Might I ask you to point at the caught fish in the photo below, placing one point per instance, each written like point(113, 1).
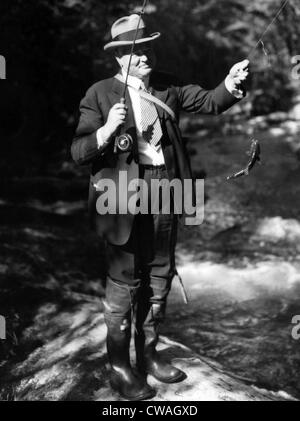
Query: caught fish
point(254, 154)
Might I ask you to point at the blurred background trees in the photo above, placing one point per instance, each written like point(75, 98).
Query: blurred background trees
point(53, 50)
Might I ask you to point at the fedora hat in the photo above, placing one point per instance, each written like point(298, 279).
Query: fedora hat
point(124, 29)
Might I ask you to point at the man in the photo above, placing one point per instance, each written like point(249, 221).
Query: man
point(140, 248)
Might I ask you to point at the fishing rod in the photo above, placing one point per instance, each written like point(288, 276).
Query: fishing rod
point(132, 49)
point(124, 142)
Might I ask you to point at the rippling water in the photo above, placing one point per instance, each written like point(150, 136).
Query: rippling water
point(242, 318)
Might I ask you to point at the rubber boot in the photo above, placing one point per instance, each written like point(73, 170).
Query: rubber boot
point(119, 304)
point(150, 313)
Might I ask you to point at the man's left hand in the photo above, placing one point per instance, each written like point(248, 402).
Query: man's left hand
point(238, 74)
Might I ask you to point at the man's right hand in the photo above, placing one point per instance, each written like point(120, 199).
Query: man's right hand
point(115, 119)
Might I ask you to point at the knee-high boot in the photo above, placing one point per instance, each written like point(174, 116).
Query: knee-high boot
point(118, 304)
point(150, 313)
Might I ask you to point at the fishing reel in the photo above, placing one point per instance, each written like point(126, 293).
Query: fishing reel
point(123, 143)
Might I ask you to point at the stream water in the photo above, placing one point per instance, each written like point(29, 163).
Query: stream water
point(242, 318)
point(241, 267)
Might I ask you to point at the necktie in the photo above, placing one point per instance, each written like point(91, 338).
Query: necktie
point(151, 128)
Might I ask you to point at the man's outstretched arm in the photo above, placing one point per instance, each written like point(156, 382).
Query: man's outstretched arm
point(195, 99)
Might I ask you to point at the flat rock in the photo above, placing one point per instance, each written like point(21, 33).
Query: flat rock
point(72, 365)
point(206, 381)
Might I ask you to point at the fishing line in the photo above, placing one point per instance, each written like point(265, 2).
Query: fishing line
point(268, 27)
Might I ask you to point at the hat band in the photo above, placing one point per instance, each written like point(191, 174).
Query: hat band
point(130, 35)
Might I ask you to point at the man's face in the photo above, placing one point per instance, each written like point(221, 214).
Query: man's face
point(143, 59)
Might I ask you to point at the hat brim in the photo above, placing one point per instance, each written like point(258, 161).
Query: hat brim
point(114, 44)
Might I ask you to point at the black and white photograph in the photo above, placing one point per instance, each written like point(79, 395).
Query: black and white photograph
point(149, 203)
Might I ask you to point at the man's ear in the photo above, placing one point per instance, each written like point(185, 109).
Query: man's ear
point(118, 52)
point(118, 60)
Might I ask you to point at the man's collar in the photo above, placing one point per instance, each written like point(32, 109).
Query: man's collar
point(135, 82)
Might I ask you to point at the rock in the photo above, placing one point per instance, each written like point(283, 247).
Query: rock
point(278, 228)
point(291, 127)
point(277, 117)
point(206, 381)
point(259, 122)
point(277, 131)
point(72, 365)
point(295, 112)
